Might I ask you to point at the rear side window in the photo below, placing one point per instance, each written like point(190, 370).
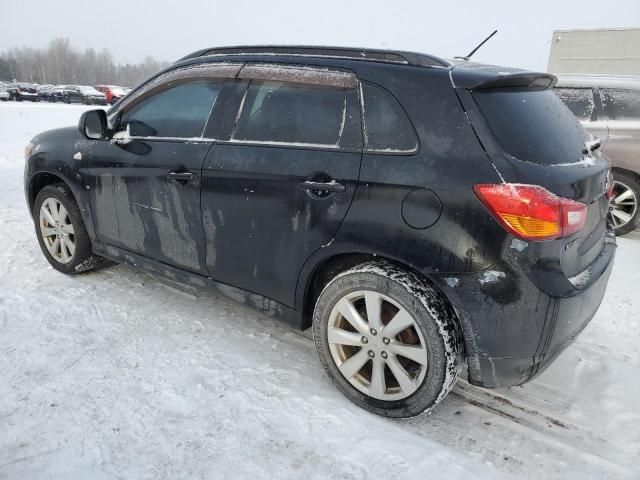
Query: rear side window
point(621, 104)
point(177, 112)
point(533, 125)
point(386, 126)
point(292, 113)
point(578, 100)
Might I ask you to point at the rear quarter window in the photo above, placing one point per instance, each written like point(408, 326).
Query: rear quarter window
point(386, 126)
point(621, 104)
point(532, 125)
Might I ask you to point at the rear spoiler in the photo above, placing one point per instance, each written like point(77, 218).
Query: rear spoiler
point(477, 76)
point(529, 81)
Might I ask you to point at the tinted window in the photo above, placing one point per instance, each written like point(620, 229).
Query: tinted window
point(386, 125)
point(291, 113)
point(179, 111)
point(621, 104)
point(578, 100)
point(534, 125)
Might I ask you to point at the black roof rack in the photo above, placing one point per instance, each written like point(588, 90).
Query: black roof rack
point(390, 56)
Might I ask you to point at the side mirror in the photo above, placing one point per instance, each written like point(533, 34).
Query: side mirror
point(93, 124)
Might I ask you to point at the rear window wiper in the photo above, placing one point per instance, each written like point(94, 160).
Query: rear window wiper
point(591, 145)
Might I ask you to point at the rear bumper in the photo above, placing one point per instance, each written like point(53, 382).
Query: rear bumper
point(512, 329)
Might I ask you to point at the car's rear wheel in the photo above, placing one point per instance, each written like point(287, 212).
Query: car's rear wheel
point(61, 232)
point(387, 339)
point(623, 207)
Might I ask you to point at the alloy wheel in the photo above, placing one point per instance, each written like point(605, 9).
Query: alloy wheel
point(57, 230)
point(623, 205)
point(377, 345)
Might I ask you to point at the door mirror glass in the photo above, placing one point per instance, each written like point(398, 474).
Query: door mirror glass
point(93, 124)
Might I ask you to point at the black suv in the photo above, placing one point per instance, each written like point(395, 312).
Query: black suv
point(416, 212)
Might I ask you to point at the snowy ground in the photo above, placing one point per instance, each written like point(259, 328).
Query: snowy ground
point(116, 374)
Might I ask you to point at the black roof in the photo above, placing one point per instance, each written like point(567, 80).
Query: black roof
point(366, 54)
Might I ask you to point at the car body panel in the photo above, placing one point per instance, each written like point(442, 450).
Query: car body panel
point(155, 215)
point(518, 302)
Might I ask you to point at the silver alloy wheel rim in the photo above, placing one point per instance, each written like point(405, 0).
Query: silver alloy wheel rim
point(623, 205)
point(57, 230)
point(377, 345)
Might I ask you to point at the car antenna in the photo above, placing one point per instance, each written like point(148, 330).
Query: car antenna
point(468, 57)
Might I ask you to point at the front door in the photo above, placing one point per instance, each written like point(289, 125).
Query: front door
point(145, 196)
point(279, 188)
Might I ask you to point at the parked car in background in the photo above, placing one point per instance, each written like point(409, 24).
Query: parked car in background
point(413, 211)
point(91, 96)
point(22, 91)
point(71, 94)
point(4, 95)
point(83, 94)
point(609, 108)
point(45, 93)
point(112, 92)
point(58, 93)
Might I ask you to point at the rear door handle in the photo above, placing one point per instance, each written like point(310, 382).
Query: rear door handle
point(182, 176)
point(331, 186)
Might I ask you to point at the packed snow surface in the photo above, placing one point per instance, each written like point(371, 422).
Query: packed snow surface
point(117, 374)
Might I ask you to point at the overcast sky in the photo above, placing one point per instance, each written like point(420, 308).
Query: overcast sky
point(169, 29)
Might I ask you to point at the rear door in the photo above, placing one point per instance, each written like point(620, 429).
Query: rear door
point(278, 186)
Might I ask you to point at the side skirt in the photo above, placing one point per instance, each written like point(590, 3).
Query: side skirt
point(265, 305)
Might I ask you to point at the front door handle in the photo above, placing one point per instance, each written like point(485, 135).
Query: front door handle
point(182, 176)
point(332, 186)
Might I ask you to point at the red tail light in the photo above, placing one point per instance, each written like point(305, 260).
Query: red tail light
point(531, 212)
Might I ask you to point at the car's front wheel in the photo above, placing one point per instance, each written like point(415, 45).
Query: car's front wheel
point(61, 232)
point(387, 339)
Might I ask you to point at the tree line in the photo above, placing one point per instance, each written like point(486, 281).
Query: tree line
point(62, 64)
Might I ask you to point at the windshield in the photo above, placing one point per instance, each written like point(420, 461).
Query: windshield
point(533, 125)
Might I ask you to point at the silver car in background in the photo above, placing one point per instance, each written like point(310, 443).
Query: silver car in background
point(609, 108)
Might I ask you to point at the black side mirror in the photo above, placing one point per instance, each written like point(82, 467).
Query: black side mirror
point(93, 124)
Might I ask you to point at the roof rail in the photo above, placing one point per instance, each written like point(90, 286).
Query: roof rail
point(390, 56)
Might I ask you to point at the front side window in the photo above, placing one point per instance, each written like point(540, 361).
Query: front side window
point(621, 104)
point(292, 113)
point(180, 111)
point(578, 100)
point(386, 126)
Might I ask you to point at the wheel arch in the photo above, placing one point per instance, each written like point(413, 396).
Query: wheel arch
point(44, 177)
point(40, 180)
point(315, 277)
point(626, 171)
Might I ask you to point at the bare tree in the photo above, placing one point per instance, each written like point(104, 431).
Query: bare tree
point(60, 63)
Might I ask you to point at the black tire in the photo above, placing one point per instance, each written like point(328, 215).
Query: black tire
point(82, 259)
point(630, 181)
point(432, 313)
